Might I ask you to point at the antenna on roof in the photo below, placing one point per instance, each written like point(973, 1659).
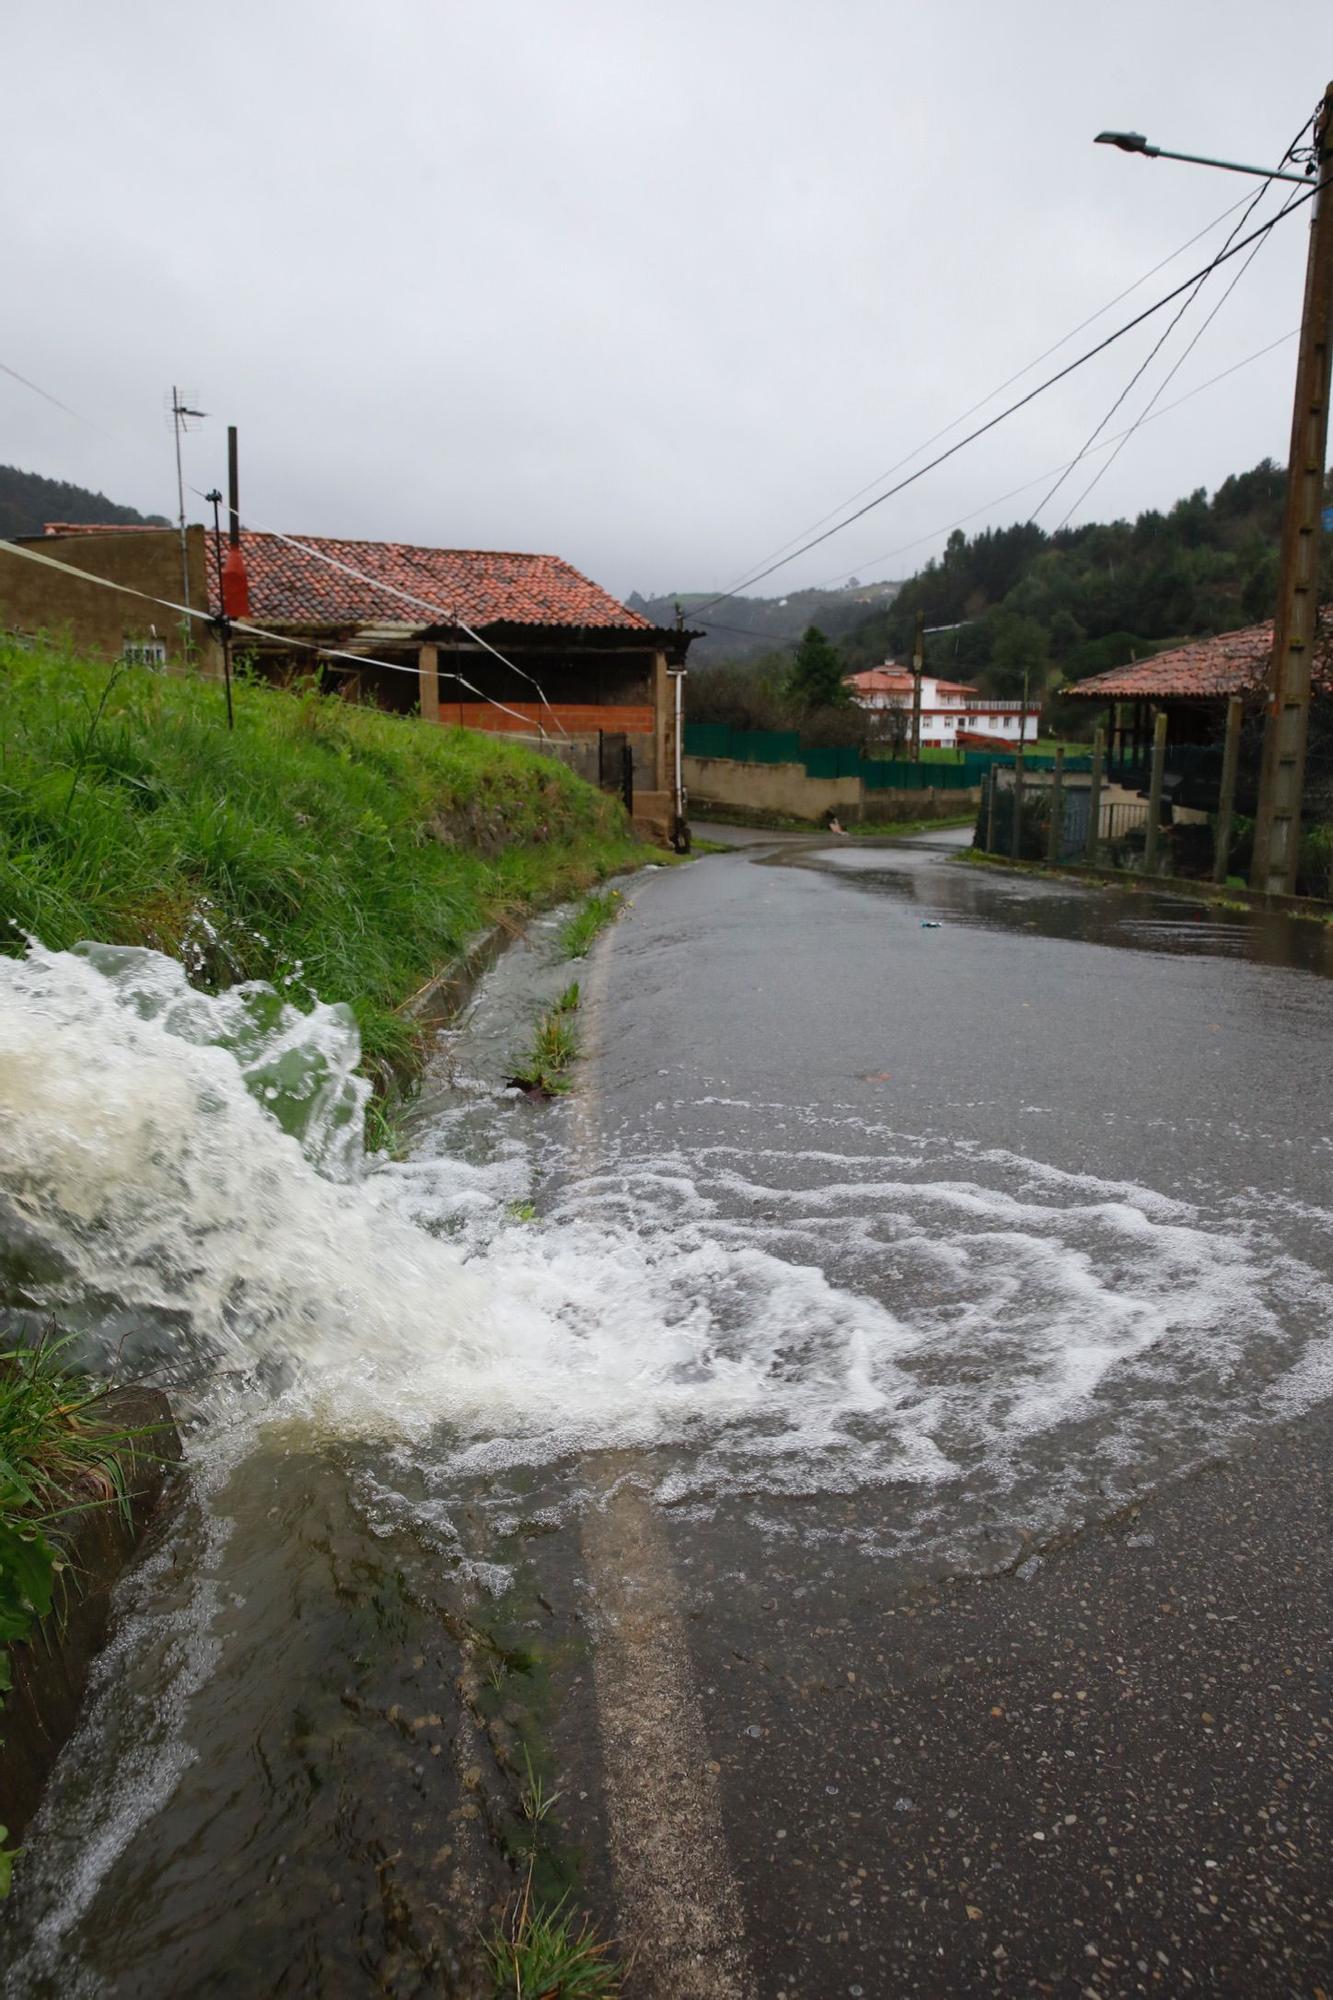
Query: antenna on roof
point(183, 419)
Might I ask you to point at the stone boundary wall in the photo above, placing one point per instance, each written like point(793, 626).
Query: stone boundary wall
point(787, 790)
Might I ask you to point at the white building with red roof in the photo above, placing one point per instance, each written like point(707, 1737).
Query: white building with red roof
point(954, 716)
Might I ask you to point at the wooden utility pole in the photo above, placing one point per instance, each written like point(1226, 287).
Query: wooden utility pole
point(222, 621)
point(1055, 824)
point(1226, 797)
point(918, 662)
point(1277, 830)
point(1017, 842)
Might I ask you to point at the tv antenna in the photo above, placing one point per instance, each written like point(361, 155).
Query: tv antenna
point(183, 419)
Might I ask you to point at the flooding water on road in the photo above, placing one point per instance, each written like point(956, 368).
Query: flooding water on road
point(819, 1247)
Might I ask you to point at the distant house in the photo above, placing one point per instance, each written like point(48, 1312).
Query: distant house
point(510, 643)
point(953, 715)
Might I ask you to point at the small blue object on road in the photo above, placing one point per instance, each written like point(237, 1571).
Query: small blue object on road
point(931, 924)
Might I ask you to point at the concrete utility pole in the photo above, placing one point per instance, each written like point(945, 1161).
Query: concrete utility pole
point(1277, 830)
point(918, 662)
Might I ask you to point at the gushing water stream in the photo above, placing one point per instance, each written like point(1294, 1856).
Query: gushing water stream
point(972, 1346)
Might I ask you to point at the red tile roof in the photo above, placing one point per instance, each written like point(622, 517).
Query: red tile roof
point(1205, 670)
point(289, 586)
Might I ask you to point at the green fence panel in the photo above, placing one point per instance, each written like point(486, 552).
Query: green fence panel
point(707, 739)
point(821, 762)
point(766, 746)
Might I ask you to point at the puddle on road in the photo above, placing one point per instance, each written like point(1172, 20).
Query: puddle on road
point(1131, 919)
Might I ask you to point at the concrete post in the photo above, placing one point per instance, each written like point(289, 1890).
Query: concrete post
point(1226, 797)
point(662, 705)
point(1056, 827)
point(428, 676)
point(1095, 798)
point(1152, 843)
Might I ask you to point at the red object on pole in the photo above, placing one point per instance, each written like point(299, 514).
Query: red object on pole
point(235, 586)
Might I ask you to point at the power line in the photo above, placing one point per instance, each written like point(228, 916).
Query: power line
point(1254, 201)
point(1156, 349)
point(47, 397)
point(1160, 390)
point(1000, 387)
point(251, 631)
point(1021, 402)
point(408, 597)
point(1117, 439)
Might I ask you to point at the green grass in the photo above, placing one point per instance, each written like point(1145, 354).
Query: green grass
point(545, 1954)
point(56, 1461)
point(588, 920)
point(544, 1067)
point(351, 850)
point(866, 828)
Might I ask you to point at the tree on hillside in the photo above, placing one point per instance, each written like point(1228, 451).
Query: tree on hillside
point(1019, 647)
point(815, 680)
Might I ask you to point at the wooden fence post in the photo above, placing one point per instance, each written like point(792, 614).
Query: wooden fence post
point(1055, 830)
point(1095, 798)
point(1226, 798)
point(1153, 839)
point(1016, 831)
point(992, 786)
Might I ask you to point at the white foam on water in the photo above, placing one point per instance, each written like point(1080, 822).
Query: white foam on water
point(883, 1319)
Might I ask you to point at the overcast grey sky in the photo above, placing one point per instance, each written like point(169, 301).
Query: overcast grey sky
point(653, 287)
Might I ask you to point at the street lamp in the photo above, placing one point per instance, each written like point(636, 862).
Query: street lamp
point(1134, 142)
point(1277, 828)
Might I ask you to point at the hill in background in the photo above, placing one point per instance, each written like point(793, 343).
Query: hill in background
point(28, 502)
point(748, 626)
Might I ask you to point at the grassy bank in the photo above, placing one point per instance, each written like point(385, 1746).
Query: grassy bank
point(354, 849)
point(59, 1457)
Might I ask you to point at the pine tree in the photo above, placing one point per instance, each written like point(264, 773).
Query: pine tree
point(815, 680)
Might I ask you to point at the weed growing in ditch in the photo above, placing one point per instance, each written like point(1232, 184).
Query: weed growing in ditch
point(545, 1954)
point(534, 1798)
point(591, 917)
point(543, 1070)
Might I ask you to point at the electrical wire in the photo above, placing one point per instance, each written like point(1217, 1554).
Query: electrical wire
point(1118, 437)
point(450, 617)
point(1165, 383)
point(252, 631)
point(47, 397)
point(1020, 403)
point(1000, 387)
point(1253, 203)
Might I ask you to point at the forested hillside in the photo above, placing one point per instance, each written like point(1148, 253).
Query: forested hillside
point(746, 626)
point(1069, 604)
point(28, 502)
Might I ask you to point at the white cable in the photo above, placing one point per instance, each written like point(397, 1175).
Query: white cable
point(253, 631)
point(408, 597)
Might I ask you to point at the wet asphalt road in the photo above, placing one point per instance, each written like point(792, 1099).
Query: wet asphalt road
point(1102, 1771)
